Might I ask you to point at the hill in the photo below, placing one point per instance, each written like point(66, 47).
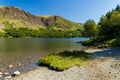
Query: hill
point(20, 18)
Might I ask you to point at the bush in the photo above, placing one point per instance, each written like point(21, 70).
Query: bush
point(116, 43)
point(41, 33)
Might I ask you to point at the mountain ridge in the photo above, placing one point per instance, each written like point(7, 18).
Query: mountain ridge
point(19, 17)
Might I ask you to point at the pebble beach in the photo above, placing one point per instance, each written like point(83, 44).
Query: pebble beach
point(104, 66)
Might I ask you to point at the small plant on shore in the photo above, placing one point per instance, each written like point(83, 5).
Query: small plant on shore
point(65, 60)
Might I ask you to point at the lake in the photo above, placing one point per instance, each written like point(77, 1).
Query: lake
point(27, 51)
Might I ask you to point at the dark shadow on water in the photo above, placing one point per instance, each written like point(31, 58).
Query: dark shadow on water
point(111, 52)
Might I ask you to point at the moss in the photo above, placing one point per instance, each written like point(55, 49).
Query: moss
point(65, 60)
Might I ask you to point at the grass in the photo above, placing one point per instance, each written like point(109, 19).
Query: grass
point(102, 43)
point(65, 60)
point(2, 7)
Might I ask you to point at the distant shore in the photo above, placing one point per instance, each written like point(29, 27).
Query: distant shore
point(105, 66)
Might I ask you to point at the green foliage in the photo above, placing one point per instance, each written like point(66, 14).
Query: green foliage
point(90, 28)
point(2, 34)
point(116, 43)
point(118, 7)
point(41, 33)
point(99, 42)
point(109, 30)
point(66, 24)
point(65, 60)
point(11, 30)
point(110, 24)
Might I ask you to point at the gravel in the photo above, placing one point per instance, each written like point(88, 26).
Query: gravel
point(102, 67)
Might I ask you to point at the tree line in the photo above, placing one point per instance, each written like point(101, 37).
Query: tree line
point(106, 31)
point(11, 31)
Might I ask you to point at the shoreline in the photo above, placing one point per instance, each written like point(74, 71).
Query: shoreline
point(102, 67)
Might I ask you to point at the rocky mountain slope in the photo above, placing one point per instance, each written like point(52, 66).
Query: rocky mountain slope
point(21, 18)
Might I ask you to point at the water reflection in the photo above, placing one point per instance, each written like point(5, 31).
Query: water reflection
point(13, 51)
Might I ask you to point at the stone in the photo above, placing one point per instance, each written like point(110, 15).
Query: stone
point(18, 64)
point(6, 73)
point(8, 77)
point(31, 61)
point(10, 66)
point(1, 74)
point(16, 73)
point(1, 69)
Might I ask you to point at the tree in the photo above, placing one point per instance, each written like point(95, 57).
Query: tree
point(118, 7)
point(90, 28)
point(110, 24)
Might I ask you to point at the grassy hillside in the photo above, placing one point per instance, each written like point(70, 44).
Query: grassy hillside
point(20, 18)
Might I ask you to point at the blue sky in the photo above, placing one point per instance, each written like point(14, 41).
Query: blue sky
point(74, 10)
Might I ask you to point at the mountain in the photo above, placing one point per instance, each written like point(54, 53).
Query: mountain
point(20, 18)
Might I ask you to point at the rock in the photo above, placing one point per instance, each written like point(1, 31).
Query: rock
point(16, 73)
point(6, 73)
point(10, 66)
point(7, 78)
point(18, 64)
point(1, 74)
point(1, 69)
point(31, 61)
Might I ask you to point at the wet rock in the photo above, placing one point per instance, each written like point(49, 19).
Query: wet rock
point(10, 66)
point(16, 73)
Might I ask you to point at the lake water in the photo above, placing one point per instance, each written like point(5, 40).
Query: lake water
point(27, 51)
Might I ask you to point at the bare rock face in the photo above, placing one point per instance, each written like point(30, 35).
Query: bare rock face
point(49, 21)
point(28, 19)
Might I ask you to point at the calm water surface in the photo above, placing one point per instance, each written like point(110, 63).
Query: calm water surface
point(28, 51)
